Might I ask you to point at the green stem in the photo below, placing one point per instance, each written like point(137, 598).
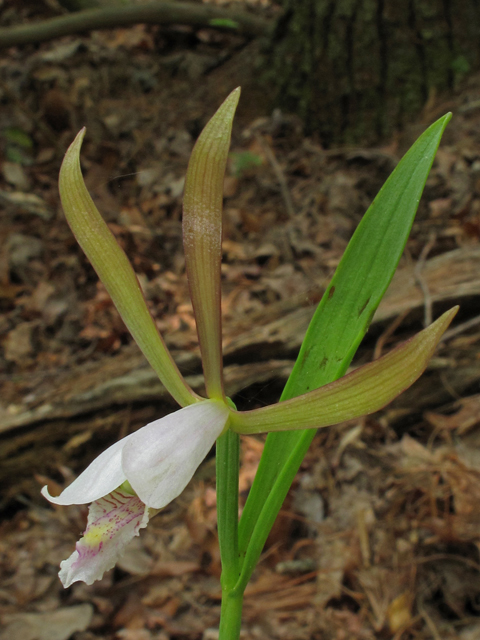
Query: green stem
point(230, 617)
point(227, 460)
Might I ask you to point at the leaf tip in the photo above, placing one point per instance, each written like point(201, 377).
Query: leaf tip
point(444, 120)
point(230, 103)
point(446, 318)
point(449, 315)
point(78, 140)
point(71, 161)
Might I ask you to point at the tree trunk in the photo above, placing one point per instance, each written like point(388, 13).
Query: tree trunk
point(357, 69)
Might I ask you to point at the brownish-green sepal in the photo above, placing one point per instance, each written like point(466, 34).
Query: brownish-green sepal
point(365, 390)
point(202, 237)
point(116, 273)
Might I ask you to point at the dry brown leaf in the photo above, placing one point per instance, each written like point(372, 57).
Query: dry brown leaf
point(50, 625)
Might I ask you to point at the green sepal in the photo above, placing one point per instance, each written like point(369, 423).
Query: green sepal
point(364, 391)
point(202, 237)
point(115, 271)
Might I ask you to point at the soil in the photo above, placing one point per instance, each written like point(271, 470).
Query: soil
point(379, 537)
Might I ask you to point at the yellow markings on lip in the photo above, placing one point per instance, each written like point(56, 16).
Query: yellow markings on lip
point(96, 534)
point(117, 512)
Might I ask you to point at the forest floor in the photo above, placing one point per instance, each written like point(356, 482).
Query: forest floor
point(380, 534)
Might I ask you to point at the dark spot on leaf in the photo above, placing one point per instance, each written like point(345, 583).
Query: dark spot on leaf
point(362, 308)
point(306, 354)
point(370, 318)
point(331, 292)
point(323, 362)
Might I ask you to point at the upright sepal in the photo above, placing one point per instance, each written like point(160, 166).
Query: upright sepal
point(364, 391)
point(116, 273)
point(202, 237)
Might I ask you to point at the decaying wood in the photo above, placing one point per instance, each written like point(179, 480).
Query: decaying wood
point(268, 349)
point(450, 277)
point(67, 424)
point(139, 385)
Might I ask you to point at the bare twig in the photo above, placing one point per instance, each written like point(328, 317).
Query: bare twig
point(469, 324)
point(164, 13)
point(389, 331)
point(421, 280)
point(429, 622)
point(278, 174)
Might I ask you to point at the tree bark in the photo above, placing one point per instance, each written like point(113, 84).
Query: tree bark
point(358, 69)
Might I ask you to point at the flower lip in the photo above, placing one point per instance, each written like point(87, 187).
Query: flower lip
point(113, 521)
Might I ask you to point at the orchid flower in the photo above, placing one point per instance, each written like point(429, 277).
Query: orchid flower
point(143, 472)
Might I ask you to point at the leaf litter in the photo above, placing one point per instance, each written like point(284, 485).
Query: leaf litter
point(379, 536)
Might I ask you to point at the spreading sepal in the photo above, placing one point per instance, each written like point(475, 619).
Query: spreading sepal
point(115, 271)
point(364, 391)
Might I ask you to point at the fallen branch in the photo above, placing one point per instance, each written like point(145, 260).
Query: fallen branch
point(164, 13)
point(80, 5)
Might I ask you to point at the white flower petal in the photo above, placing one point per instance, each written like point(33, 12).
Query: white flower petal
point(100, 478)
point(161, 458)
point(112, 522)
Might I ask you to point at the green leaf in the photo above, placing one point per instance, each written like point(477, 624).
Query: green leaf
point(18, 147)
point(224, 23)
point(18, 137)
point(243, 161)
point(337, 328)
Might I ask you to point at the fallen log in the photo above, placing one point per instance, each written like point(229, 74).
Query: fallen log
point(269, 349)
point(57, 417)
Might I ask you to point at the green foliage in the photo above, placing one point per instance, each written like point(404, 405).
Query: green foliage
point(337, 328)
point(242, 162)
point(224, 23)
point(460, 66)
point(18, 145)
